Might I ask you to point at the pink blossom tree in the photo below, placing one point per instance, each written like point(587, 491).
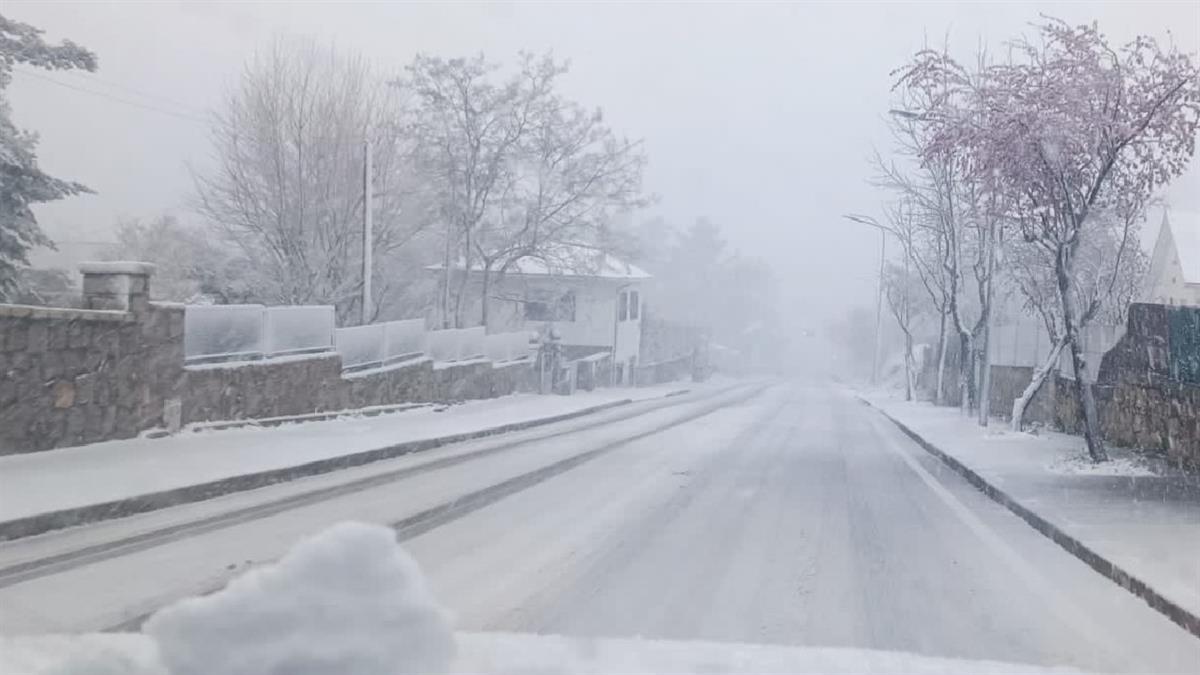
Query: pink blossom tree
point(1067, 128)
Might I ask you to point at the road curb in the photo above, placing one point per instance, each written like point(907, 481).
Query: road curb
point(81, 515)
point(1183, 617)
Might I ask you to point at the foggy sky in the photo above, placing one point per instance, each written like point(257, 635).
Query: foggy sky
point(760, 117)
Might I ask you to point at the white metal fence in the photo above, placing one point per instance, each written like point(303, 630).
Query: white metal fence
point(378, 344)
point(456, 344)
point(214, 333)
point(218, 333)
point(360, 346)
point(404, 339)
point(222, 332)
point(298, 329)
point(507, 346)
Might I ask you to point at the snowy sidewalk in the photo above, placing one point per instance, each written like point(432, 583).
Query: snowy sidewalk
point(1133, 514)
point(71, 478)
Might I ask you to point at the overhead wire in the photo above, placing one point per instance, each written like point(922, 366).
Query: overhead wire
point(137, 104)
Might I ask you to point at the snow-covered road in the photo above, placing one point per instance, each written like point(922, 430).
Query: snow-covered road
point(791, 516)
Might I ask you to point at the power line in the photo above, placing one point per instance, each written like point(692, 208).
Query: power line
point(136, 104)
point(84, 76)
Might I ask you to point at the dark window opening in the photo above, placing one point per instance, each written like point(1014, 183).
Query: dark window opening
point(546, 306)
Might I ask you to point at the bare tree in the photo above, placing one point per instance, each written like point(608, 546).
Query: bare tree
point(519, 170)
point(468, 129)
point(570, 176)
point(287, 184)
point(958, 223)
point(902, 291)
point(191, 264)
point(1108, 270)
point(1068, 128)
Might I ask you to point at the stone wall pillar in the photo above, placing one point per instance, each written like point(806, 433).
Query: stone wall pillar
point(123, 286)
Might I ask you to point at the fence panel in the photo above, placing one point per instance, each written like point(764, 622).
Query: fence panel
point(222, 332)
point(456, 344)
point(298, 329)
point(360, 346)
point(507, 346)
point(404, 339)
point(471, 344)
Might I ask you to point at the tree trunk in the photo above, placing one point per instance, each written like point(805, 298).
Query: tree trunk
point(1091, 418)
point(966, 365)
point(984, 351)
point(483, 298)
point(985, 375)
point(939, 397)
point(908, 367)
point(1039, 378)
point(1083, 390)
point(462, 282)
point(446, 282)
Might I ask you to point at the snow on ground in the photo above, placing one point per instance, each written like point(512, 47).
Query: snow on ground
point(350, 601)
point(1136, 512)
point(39, 482)
point(1082, 465)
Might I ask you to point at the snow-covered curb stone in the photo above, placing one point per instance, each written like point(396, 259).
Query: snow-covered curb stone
point(1118, 575)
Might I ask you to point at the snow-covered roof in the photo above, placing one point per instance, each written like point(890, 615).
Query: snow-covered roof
point(570, 264)
point(1185, 231)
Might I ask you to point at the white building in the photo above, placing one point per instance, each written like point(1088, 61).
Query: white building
point(1174, 275)
point(593, 302)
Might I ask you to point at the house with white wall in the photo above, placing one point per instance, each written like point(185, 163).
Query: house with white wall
point(593, 302)
point(1174, 274)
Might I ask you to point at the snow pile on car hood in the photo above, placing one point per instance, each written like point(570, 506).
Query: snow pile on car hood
point(350, 601)
point(347, 601)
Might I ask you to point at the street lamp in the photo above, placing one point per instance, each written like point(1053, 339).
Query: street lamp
point(868, 220)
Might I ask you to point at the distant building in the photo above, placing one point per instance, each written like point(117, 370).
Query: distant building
point(1174, 275)
point(592, 301)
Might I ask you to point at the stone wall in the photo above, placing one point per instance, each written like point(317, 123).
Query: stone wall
point(72, 376)
point(115, 369)
point(1144, 392)
point(256, 389)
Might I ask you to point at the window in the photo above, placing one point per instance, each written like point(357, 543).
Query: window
point(633, 305)
point(623, 309)
point(549, 306)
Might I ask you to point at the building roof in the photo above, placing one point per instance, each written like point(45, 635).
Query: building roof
point(568, 263)
point(1185, 230)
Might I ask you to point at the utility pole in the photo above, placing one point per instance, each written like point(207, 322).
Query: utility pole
point(867, 220)
point(368, 171)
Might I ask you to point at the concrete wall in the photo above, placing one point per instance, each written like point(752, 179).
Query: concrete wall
point(73, 376)
point(1009, 382)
